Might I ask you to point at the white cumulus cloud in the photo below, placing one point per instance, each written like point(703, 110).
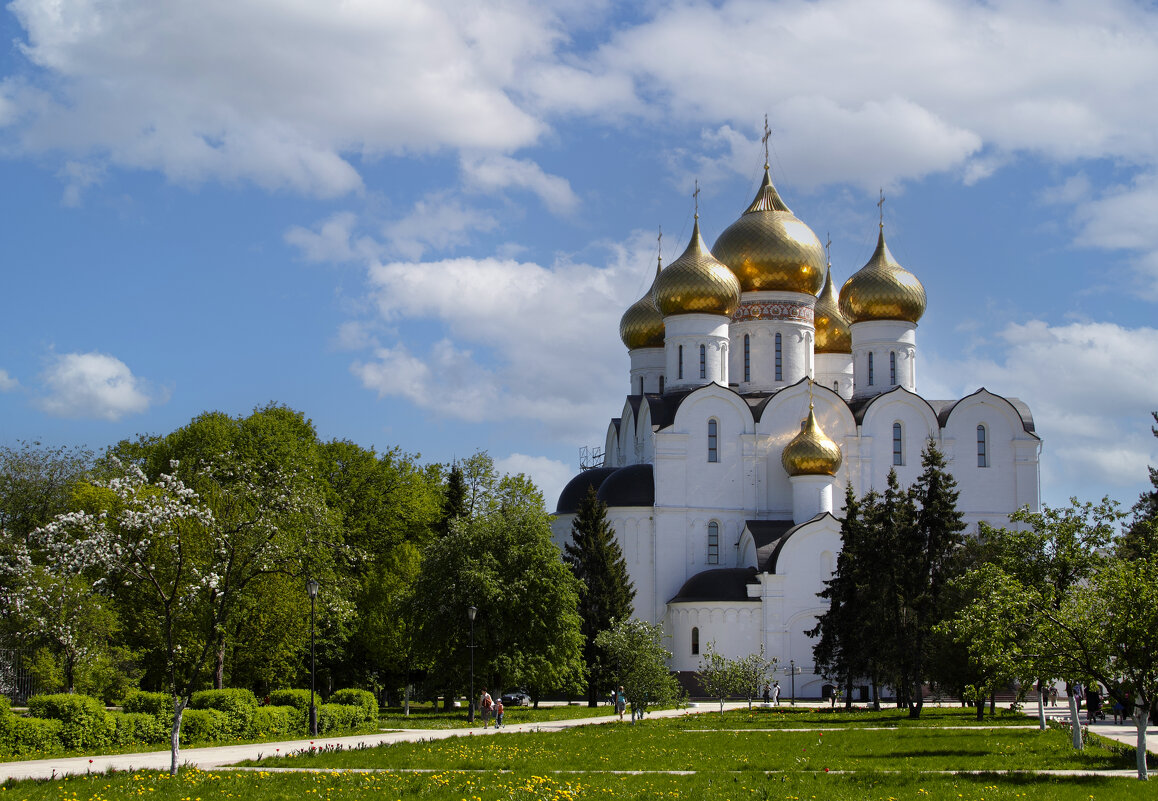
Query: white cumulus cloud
point(92, 385)
point(549, 475)
point(7, 382)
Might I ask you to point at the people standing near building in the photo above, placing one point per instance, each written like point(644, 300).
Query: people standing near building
point(767, 694)
point(776, 693)
point(486, 705)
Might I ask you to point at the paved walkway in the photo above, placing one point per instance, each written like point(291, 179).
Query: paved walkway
point(211, 757)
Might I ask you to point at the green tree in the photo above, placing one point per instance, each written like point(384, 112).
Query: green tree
point(501, 560)
point(1140, 539)
point(716, 674)
point(638, 662)
point(752, 673)
point(605, 589)
point(453, 501)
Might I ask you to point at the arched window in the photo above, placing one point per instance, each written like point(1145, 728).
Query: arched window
point(982, 451)
point(835, 386)
point(713, 442)
point(703, 362)
point(893, 369)
point(779, 358)
point(870, 360)
point(898, 445)
point(747, 358)
point(713, 543)
point(680, 366)
point(661, 385)
point(695, 640)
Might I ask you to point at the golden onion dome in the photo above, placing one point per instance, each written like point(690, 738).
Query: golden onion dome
point(769, 249)
point(811, 453)
point(832, 331)
point(696, 283)
point(642, 325)
point(882, 290)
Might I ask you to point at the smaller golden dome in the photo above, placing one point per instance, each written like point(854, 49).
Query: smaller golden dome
point(811, 453)
point(882, 290)
point(696, 283)
point(768, 248)
point(642, 325)
point(832, 331)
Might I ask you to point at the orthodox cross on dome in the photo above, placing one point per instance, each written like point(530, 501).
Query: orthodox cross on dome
point(881, 206)
point(659, 251)
point(828, 249)
point(696, 198)
point(767, 136)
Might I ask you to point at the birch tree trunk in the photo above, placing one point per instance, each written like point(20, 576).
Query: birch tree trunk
point(1075, 721)
point(1141, 713)
point(1041, 691)
point(175, 734)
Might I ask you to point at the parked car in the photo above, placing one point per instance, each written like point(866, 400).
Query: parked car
point(516, 698)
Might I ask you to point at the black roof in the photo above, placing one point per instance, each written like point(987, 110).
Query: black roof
point(633, 485)
point(572, 494)
point(721, 584)
point(769, 536)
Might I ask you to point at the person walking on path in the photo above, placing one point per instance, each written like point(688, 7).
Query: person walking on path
point(499, 713)
point(486, 705)
point(621, 702)
point(1053, 695)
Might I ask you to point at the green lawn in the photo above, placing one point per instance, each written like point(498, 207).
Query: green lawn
point(427, 718)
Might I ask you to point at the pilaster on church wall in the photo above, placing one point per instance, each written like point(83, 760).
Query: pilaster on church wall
point(671, 449)
point(760, 316)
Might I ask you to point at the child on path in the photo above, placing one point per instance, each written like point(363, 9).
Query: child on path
point(499, 713)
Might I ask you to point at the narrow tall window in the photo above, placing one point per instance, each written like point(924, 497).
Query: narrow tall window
point(835, 386)
point(982, 454)
point(641, 385)
point(747, 358)
point(898, 445)
point(713, 450)
point(779, 358)
point(893, 369)
point(870, 382)
point(713, 543)
point(703, 362)
point(680, 366)
point(661, 385)
point(695, 640)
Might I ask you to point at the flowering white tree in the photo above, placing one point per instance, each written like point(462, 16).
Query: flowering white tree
point(187, 563)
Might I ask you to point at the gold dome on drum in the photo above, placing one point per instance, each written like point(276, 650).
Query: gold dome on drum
point(811, 453)
point(696, 283)
point(642, 325)
point(769, 249)
point(832, 331)
point(882, 290)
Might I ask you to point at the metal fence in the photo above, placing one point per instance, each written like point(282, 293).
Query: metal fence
point(15, 680)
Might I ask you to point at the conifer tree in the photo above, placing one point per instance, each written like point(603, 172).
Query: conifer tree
point(1140, 539)
point(606, 593)
point(454, 502)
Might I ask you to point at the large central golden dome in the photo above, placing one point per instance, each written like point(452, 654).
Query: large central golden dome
point(696, 283)
point(882, 290)
point(642, 325)
point(832, 331)
point(811, 453)
point(769, 249)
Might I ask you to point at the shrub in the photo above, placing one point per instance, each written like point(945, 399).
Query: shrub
point(298, 699)
point(26, 736)
point(84, 722)
point(138, 727)
point(364, 699)
point(338, 716)
point(238, 705)
point(273, 721)
point(159, 705)
point(204, 726)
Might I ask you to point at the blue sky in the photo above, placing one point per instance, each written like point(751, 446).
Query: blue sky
point(419, 223)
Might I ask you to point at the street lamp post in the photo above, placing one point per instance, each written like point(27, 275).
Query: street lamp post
point(312, 591)
point(471, 612)
point(792, 670)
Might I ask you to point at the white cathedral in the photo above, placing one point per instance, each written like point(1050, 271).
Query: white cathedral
point(756, 395)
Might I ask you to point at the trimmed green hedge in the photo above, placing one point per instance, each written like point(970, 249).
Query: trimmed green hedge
point(277, 721)
point(364, 699)
point(26, 736)
point(237, 705)
point(159, 705)
point(137, 727)
point(298, 699)
point(338, 716)
point(204, 726)
point(85, 724)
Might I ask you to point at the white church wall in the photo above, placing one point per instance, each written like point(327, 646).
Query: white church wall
point(733, 629)
point(918, 424)
point(722, 484)
point(635, 533)
point(612, 453)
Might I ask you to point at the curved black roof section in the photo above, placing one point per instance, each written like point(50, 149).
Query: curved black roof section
point(633, 485)
point(572, 494)
point(722, 584)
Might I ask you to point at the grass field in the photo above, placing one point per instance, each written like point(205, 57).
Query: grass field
point(768, 755)
point(427, 718)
